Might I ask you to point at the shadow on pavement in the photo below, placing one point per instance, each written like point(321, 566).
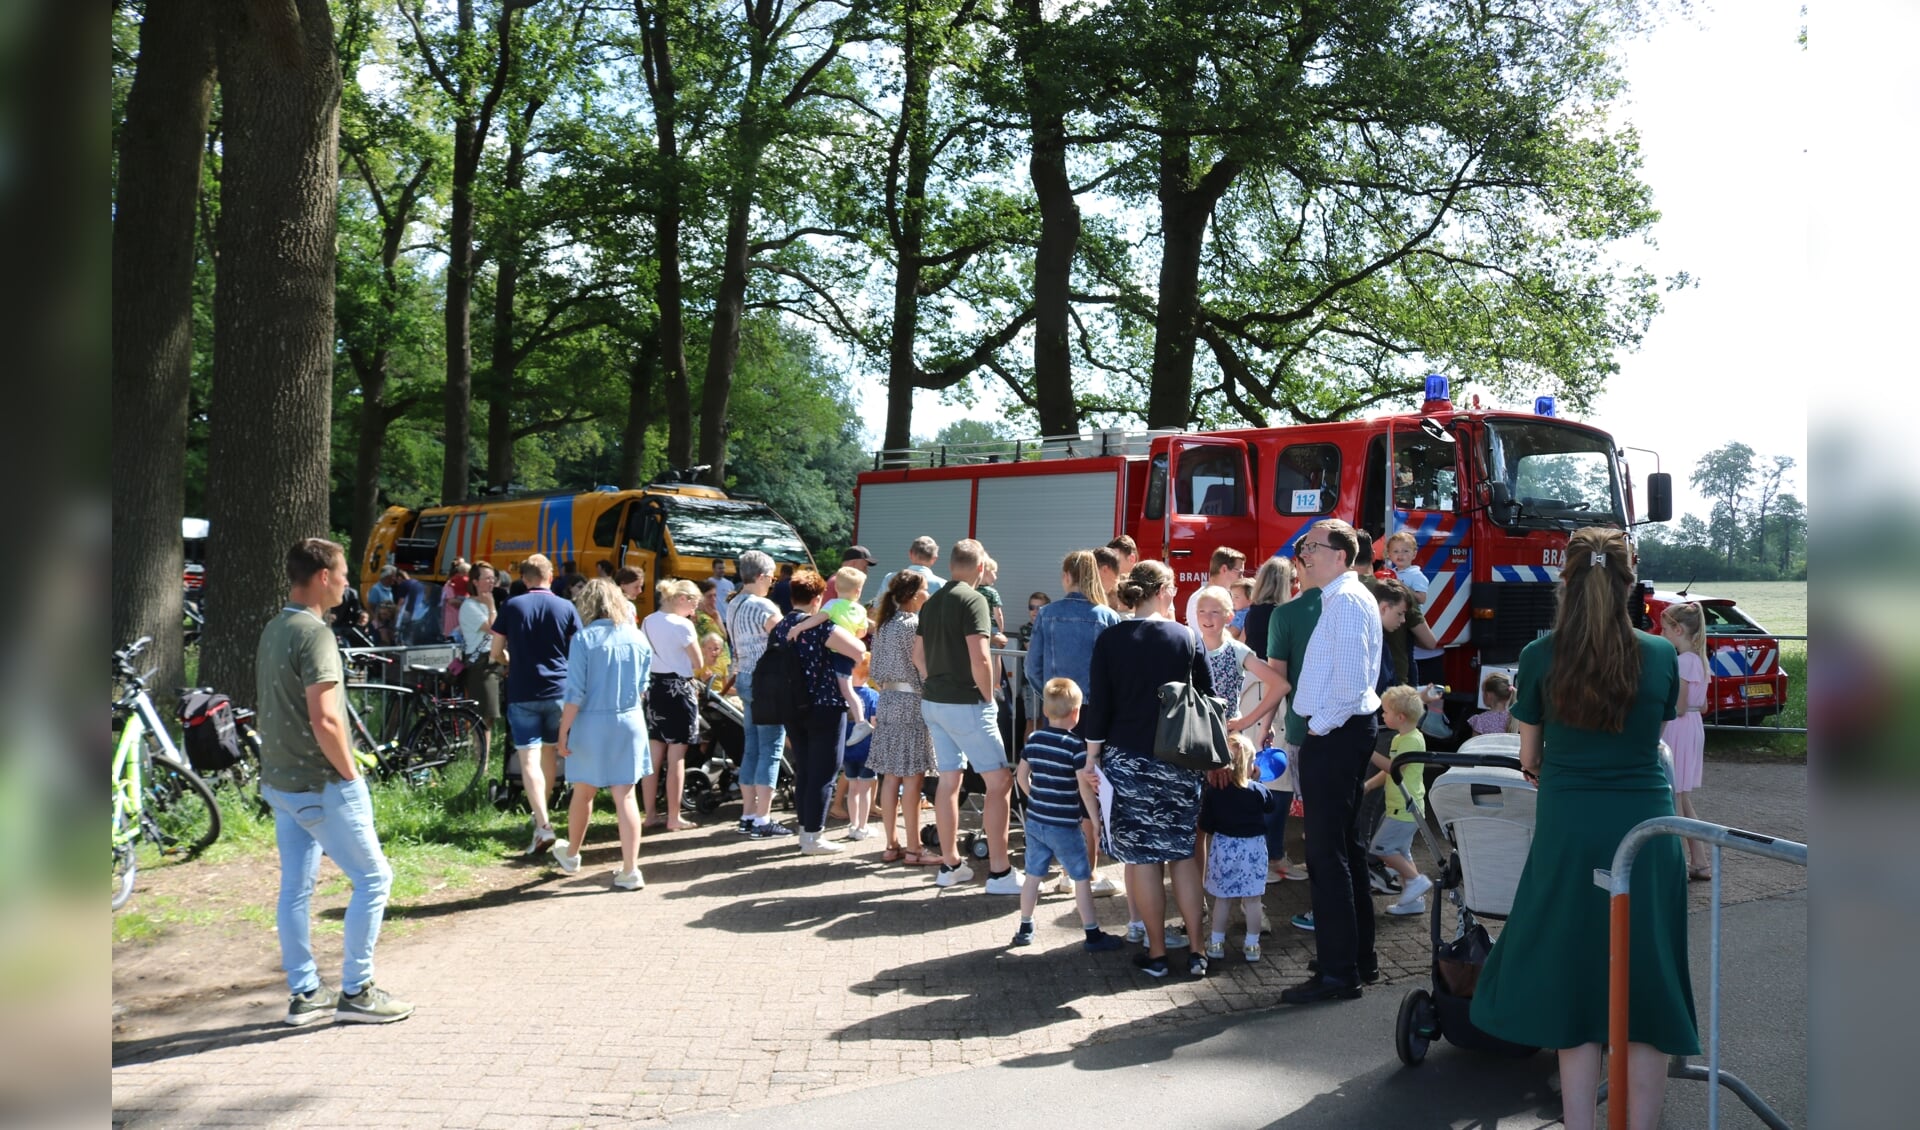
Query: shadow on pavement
point(205, 1039)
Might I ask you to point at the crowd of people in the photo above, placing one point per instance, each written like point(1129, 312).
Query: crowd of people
point(1322, 661)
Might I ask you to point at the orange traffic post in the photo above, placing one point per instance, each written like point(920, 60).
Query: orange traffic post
point(1617, 971)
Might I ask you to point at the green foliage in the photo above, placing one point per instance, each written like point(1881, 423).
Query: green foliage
point(794, 434)
point(1402, 187)
point(1741, 540)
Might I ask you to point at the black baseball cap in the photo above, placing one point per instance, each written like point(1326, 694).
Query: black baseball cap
point(858, 553)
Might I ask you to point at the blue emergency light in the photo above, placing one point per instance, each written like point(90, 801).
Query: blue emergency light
point(1543, 406)
point(1437, 387)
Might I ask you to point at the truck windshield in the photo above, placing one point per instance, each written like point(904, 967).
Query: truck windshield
point(724, 527)
point(1558, 476)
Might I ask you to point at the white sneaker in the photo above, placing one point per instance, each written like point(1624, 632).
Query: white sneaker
point(813, 843)
point(860, 832)
point(1403, 907)
point(543, 838)
point(1176, 937)
point(1008, 884)
point(1104, 887)
point(1414, 888)
point(628, 880)
point(565, 856)
point(948, 877)
point(1054, 885)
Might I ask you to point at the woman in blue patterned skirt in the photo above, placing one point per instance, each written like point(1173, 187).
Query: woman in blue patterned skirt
point(1151, 808)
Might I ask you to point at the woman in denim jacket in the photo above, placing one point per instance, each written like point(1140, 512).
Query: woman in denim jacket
point(1064, 631)
point(603, 732)
point(1062, 647)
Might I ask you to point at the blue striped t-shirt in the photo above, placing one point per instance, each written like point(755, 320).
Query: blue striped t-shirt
point(1056, 756)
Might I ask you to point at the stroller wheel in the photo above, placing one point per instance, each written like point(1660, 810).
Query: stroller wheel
point(976, 845)
point(1414, 1031)
point(709, 800)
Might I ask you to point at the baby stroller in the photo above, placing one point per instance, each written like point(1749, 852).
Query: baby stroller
point(1484, 810)
point(716, 780)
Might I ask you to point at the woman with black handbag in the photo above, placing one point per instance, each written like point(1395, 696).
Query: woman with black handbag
point(1151, 807)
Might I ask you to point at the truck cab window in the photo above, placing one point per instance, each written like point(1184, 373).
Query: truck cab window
point(644, 527)
point(607, 527)
point(417, 550)
point(1306, 479)
point(1424, 477)
point(1208, 482)
point(1156, 504)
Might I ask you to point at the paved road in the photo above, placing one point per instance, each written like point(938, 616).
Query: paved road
point(747, 979)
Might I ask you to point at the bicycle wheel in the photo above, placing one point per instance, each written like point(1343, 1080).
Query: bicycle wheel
point(126, 864)
point(448, 751)
point(182, 817)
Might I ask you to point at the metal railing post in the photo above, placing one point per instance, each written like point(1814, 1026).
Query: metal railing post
point(1618, 882)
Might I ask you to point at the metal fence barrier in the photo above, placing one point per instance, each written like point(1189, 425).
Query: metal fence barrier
point(1617, 881)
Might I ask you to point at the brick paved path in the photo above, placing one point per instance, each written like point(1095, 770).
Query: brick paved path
point(743, 975)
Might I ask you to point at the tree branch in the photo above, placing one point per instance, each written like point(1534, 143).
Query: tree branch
point(777, 244)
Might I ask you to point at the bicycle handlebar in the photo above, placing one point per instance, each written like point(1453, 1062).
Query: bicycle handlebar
point(1453, 761)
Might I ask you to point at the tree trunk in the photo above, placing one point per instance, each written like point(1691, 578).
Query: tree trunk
point(267, 460)
point(454, 474)
point(375, 417)
point(667, 292)
point(633, 442)
point(505, 359)
point(909, 228)
point(729, 307)
point(1059, 239)
point(153, 267)
point(1185, 207)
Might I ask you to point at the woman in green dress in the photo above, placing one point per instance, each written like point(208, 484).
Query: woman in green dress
point(1593, 695)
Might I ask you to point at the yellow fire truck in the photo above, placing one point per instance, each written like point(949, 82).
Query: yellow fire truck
point(663, 530)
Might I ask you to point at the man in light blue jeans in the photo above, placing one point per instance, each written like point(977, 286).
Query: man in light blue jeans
point(319, 799)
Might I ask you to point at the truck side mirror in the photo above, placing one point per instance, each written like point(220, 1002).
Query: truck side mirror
point(1501, 495)
point(1659, 497)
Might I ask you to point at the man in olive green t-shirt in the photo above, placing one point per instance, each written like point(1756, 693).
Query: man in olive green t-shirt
point(1287, 635)
point(953, 654)
point(319, 799)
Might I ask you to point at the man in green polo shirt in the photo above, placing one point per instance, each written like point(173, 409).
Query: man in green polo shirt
point(1288, 630)
point(309, 778)
point(953, 654)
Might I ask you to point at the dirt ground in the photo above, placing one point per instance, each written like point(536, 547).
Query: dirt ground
point(217, 953)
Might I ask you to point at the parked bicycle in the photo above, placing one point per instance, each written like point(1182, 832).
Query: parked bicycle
point(156, 794)
point(417, 735)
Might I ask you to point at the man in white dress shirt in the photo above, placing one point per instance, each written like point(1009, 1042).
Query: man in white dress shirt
point(1335, 692)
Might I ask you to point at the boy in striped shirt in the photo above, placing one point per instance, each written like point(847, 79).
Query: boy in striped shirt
point(1057, 801)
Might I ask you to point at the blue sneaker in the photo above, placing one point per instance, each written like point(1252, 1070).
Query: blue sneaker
point(1099, 941)
point(1303, 921)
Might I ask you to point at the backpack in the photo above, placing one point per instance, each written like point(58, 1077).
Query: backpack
point(213, 739)
point(779, 683)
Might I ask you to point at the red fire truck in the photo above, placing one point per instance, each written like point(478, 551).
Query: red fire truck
point(1491, 496)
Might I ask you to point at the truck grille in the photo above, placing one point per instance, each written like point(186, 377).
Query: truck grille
point(1522, 610)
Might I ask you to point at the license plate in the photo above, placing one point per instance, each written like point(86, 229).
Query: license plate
point(1756, 692)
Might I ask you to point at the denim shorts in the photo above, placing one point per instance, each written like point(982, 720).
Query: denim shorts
point(1048, 842)
point(534, 723)
point(964, 735)
point(858, 770)
point(1395, 837)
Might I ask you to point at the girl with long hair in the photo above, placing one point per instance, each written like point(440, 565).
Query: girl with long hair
point(1685, 627)
point(902, 751)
